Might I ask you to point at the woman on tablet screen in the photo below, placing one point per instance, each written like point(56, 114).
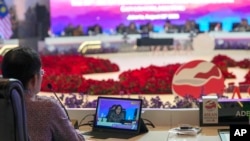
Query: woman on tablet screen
point(117, 115)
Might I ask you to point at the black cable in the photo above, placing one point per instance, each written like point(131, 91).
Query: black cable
point(148, 122)
point(90, 123)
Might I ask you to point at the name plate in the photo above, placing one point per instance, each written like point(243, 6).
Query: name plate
point(225, 113)
point(210, 109)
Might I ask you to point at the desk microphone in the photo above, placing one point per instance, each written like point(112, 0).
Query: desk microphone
point(51, 88)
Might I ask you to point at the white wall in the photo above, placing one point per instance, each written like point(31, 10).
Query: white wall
point(159, 117)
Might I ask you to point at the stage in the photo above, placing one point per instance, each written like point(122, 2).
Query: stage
point(138, 59)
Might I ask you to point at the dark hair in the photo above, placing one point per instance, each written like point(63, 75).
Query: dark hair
point(21, 63)
point(118, 106)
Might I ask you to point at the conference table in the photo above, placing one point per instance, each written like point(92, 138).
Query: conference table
point(118, 43)
point(132, 37)
point(163, 119)
point(163, 133)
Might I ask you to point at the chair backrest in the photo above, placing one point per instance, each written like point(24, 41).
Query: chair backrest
point(13, 125)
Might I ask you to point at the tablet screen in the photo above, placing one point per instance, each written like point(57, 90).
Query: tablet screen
point(118, 114)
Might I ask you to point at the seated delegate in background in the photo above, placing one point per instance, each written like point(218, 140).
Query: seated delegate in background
point(68, 30)
point(78, 31)
point(95, 30)
point(121, 29)
point(194, 26)
point(132, 29)
point(150, 27)
point(243, 26)
point(217, 27)
point(190, 26)
point(117, 115)
point(144, 30)
point(46, 119)
point(170, 28)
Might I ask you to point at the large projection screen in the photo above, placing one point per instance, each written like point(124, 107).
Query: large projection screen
point(110, 13)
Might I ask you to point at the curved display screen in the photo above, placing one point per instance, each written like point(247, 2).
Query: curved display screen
point(110, 13)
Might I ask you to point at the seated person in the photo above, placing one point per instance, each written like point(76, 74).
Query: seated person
point(170, 28)
point(150, 27)
point(121, 29)
point(144, 32)
point(216, 26)
point(90, 30)
point(194, 26)
point(78, 31)
point(243, 26)
point(69, 29)
point(190, 26)
point(95, 30)
point(116, 115)
point(46, 119)
point(132, 29)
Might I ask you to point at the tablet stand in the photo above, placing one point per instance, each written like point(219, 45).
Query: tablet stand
point(143, 127)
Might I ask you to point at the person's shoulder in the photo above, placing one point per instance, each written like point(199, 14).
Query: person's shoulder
point(48, 101)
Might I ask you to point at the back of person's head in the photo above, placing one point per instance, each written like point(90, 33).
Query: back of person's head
point(21, 63)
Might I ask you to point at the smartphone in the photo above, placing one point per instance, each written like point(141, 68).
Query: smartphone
point(224, 134)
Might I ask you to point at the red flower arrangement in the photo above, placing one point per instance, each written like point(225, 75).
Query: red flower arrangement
point(65, 74)
point(149, 80)
point(245, 64)
point(153, 79)
point(223, 58)
point(223, 62)
point(76, 64)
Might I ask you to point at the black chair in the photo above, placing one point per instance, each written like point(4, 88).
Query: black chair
point(13, 113)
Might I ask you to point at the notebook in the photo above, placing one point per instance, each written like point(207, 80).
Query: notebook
point(224, 134)
point(117, 118)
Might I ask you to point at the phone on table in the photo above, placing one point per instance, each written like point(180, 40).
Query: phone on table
point(224, 134)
